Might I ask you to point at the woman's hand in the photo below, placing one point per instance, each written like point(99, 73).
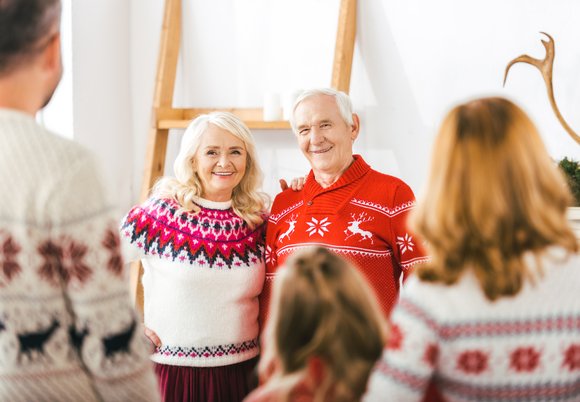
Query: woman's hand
point(149, 333)
point(296, 184)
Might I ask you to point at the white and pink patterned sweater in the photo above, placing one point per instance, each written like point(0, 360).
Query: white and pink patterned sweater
point(521, 348)
point(68, 330)
point(202, 276)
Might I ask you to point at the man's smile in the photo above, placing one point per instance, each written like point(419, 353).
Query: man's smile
point(321, 151)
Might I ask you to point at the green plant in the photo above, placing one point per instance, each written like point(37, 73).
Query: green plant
point(571, 169)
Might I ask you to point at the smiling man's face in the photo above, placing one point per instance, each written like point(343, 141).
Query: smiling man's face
point(323, 136)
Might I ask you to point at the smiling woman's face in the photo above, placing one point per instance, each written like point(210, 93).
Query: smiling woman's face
point(220, 163)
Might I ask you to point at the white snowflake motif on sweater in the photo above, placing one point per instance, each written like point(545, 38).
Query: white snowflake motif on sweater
point(269, 255)
point(405, 243)
point(318, 226)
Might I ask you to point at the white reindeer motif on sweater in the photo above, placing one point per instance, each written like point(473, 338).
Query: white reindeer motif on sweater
point(292, 225)
point(354, 227)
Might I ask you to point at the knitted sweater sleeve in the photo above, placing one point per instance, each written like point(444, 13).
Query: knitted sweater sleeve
point(410, 357)
point(407, 248)
point(271, 267)
point(129, 248)
point(83, 257)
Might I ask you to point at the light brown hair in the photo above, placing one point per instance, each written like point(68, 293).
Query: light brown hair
point(323, 308)
point(493, 196)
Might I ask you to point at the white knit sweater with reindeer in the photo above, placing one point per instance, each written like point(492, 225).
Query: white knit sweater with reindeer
point(68, 331)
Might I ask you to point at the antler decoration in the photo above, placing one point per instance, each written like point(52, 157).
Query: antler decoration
point(545, 67)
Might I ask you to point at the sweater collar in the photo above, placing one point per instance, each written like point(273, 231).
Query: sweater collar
point(355, 171)
point(220, 205)
point(16, 114)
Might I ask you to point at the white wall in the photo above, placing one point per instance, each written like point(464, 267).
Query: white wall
point(413, 59)
point(57, 116)
point(144, 34)
point(102, 103)
point(423, 56)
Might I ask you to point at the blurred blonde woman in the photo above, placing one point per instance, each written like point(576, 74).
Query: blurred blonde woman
point(201, 240)
point(495, 316)
point(325, 333)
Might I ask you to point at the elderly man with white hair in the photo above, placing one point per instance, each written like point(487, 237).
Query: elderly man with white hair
point(344, 205)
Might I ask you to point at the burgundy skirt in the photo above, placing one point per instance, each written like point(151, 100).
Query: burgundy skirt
point(207, 384)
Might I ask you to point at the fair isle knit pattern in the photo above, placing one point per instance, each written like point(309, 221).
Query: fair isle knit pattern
point(203, 273)
point(216, 238)
point(361, 217)
point(68, 331)
point(521, 348)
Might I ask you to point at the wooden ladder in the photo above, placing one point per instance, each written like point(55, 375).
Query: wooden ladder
point(165, 116)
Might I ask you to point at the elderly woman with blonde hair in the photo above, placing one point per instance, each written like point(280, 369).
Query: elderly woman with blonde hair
point(200, 238)
point(495, 315)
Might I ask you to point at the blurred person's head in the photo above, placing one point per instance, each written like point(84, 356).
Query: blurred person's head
point(326, 330)
point(217, 161)
point(326, 129)
point(493, 195)
point(30, 58)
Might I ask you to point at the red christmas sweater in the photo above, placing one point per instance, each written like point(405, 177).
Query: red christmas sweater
point(361, 217)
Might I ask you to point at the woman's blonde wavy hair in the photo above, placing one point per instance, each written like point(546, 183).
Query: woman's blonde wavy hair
point(323, 308)
point(493, 196)
point(247, 201)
